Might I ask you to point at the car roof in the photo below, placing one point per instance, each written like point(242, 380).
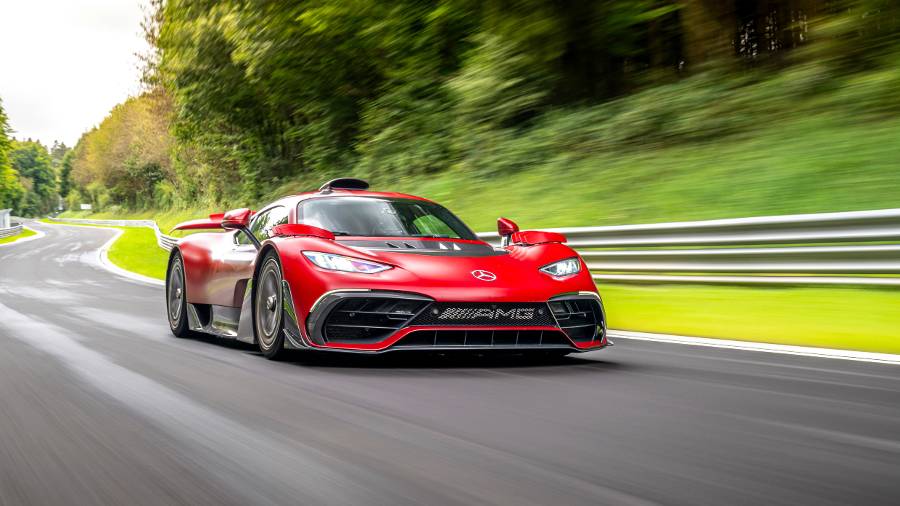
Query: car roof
point(355, 193)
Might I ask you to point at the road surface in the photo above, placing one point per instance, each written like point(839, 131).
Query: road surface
point(100, 404)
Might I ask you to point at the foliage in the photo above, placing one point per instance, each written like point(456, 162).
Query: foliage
point(32, 161)
point(65, 173)
point(11, 190)
point(253, 97)
point(124, 158)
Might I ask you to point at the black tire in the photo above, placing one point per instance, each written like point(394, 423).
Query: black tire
point(268, 314)
point(176, 297)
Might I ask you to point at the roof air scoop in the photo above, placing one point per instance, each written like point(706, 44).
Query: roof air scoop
point(344, 183)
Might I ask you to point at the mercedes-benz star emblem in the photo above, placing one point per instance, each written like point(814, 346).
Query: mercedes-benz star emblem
point(484, 275)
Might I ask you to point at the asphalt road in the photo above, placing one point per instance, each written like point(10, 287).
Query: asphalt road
point(100, 404)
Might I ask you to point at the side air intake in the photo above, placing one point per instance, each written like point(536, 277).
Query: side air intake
point(582, 319)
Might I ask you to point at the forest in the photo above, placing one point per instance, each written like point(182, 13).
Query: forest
point(30, 174)
point(247, 99)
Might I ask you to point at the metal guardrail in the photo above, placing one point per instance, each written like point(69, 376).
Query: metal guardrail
point(762, 250)
point(11, 231)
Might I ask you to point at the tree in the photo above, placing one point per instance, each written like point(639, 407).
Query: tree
point(32, 161)
point(127, 155)
point(11, 189)
point(65, 173)
point(245, 96)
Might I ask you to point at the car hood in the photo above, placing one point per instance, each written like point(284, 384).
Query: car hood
point(433, 247)
point(479, 271)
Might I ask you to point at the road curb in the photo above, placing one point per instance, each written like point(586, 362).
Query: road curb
point(784, 349)
point(106, 263)
point(38, 235)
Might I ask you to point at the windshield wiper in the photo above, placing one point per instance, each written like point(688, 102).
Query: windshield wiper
point(341, 233)
point(432, 236)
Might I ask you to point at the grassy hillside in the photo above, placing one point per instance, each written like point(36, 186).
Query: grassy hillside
point(843, 166)
point(840, 167)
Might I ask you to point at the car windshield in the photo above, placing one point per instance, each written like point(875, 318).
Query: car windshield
point(382, 217)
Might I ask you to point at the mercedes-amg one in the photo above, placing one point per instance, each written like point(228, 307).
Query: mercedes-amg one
point(351, 270)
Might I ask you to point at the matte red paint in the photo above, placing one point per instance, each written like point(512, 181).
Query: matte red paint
point(214, 221)
point(217, 265)
point(532, 237)
point(295, 229)
point(236, 218)
point(506, 227)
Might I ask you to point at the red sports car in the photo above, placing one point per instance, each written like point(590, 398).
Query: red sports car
point(351, 270)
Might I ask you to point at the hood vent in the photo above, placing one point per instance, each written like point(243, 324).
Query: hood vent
point(394, 246)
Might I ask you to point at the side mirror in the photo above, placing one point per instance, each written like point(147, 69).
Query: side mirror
point(236, 219)
point(506, 228)
point(239, 219)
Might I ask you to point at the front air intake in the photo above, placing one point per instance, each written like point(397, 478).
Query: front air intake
point(368, 320)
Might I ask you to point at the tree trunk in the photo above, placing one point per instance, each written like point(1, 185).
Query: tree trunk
point(709, 27)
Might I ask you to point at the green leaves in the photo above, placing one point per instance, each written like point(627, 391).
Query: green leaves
point(11, 190)
point(261, 94)
point(32, 162)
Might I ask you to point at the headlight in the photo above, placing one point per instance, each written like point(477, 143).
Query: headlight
point(563, 268)
point(344, 264)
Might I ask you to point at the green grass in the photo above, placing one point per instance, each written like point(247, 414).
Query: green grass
point(136, 250)
point(845, 318)
point(25, 233)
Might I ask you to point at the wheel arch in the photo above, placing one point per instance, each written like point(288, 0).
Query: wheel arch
point(257, 265)
point(174, 251)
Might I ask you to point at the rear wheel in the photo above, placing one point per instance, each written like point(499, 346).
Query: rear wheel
point(268, 317)
point(176, 299)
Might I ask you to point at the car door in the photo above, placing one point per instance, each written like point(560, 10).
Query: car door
point(234, 266)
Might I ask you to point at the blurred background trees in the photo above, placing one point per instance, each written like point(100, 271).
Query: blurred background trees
point(11, 190)
point(32, 162)
point(247, 97)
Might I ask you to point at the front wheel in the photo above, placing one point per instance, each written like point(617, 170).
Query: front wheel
point(268, 317)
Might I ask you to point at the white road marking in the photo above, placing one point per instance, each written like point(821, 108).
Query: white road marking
point(806, 351)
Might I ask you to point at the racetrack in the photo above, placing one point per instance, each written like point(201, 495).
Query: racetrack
point(100, 404)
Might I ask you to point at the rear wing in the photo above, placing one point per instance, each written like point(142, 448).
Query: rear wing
point(213, 222)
